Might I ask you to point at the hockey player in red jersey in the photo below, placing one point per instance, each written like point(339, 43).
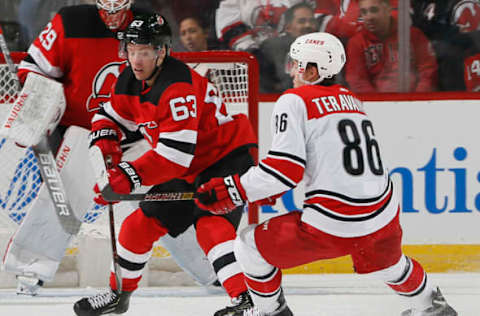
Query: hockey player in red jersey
point(192, 139)
point(322, 134)
point(79, 48)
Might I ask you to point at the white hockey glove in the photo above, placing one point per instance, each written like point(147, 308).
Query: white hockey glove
point(36, 112)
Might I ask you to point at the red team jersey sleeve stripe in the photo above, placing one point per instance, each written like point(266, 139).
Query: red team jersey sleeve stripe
point(289, 169)
point(122, 119)
point(171, 151)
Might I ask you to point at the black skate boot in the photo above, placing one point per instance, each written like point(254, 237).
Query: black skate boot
point(439, 307)
point(240, 304)
point(103, 303)
point(282, 310)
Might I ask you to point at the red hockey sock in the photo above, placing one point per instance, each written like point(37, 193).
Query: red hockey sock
point(413, 280)
point(215, 235)
point(265, 285)
point(134, 245)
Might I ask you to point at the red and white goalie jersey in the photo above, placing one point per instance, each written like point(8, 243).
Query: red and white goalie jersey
point(181, 116)
point(323, 136)
point(77, 49)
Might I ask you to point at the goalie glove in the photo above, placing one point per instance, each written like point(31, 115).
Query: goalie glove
point(221, 195)
point(122, 178)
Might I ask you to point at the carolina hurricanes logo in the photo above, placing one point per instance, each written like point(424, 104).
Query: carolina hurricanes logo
point(102, 85)
point(143, 129)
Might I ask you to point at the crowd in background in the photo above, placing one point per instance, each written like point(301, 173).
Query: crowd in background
point(444, 36)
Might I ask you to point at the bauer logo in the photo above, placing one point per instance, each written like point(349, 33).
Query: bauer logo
point(53, 181)
point(429, 187)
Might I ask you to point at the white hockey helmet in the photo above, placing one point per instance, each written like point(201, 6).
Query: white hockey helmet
point(322, 49)
point(113, 12)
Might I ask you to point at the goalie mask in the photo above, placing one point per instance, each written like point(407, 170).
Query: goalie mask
point(150, 29)
point(113, 12)
point(321, 49)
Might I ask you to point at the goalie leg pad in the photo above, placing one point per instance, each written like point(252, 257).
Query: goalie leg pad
point(188, 255)
point(40, 242)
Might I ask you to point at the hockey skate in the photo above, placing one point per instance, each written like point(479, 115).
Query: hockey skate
point(28, 285)
point(439, 307)
point(282, 310)
point(240, 304)
point(103, 303)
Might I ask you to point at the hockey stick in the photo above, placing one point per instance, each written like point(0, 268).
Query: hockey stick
point(98, 164)
point(47, 165)
point(113, 239)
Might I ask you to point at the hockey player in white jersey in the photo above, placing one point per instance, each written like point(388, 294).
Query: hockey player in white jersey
point(321, 134)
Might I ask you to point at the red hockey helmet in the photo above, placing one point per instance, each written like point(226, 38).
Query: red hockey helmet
point(113, 12)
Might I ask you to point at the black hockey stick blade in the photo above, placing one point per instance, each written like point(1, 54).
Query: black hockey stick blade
point(98, 164)
point(110, 196)
point(51, 178)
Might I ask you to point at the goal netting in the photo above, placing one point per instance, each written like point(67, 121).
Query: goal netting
point(234, 73)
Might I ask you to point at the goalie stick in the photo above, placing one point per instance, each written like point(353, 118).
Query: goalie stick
point(47, 165)
point(100, 171)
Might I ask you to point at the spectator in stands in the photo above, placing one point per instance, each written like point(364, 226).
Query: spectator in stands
point(338, 17)
point(244, 24)
point(193, 34)
point(204, 10)
point(453, 27)
point(372, 65)
point(274, 77)
point(11, 25)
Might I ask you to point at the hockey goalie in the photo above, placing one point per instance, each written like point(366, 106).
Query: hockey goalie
point(62, 57)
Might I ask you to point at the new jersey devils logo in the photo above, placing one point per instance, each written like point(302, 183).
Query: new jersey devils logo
point(143, 129)
point(267, 17)
point(102, 84)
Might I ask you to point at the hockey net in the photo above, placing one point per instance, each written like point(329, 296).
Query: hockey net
point(234, 73)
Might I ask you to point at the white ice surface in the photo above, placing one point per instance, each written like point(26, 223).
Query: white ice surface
point(307, 295)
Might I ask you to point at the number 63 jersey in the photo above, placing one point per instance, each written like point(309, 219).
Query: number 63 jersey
point(323, 136)
point(181, 116)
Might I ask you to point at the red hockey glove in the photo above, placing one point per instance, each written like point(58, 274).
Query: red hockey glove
point(122, 179)
point(107, 140)
point(221, 195)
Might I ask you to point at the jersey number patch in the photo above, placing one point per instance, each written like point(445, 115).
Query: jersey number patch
point(353, 154)
point(47, 37)
point(183, 108)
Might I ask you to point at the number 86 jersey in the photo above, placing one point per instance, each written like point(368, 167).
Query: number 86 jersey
point(323, 136)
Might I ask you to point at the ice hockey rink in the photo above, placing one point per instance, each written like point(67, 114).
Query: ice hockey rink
point(307, 295)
